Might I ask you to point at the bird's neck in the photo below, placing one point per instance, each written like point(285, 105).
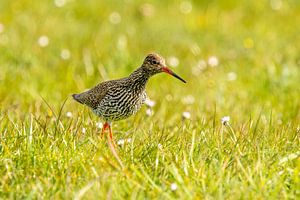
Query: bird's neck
point(139, 77)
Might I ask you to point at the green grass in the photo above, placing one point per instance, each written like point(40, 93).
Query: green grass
point(44, 154)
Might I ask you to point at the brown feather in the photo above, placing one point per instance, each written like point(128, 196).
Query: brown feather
point(93, 96)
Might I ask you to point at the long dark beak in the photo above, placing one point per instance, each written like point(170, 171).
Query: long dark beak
point(167, 70)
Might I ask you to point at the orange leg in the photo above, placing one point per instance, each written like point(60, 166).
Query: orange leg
point(105, 126)
point(111, 135)
point(112, 146)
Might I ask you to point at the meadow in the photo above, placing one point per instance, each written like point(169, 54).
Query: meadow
point(241, 61)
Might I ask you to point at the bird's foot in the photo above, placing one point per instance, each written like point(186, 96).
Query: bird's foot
point(112, 146)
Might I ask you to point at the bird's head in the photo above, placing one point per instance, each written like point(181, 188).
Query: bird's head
point(154, 64)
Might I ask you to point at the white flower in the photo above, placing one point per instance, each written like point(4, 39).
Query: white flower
point(281, 172)
point(115, 18)
point(83, 130)
point(99, 125)
point(101, 159)
point(225, 120)
point(173, 186)
point(213, 61)
point(231, 76)
point(128, 140)
point(186, 7)
point(160, 146)
point(65, 54)
point(173, 61)
point(149, 112)
point(123, 141)
point(1, 28)
point(69, 114)
point(59, 3)
point(43, 41)
point(186, 115)
point(149, 103)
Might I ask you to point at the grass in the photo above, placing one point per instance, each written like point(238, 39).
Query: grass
point(50, 146)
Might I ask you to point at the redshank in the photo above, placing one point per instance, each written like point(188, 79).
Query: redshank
point(119, 99)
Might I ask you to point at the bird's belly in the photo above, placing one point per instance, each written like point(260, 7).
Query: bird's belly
point(121, 108)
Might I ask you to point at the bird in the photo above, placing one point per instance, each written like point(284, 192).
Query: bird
point(119, 99)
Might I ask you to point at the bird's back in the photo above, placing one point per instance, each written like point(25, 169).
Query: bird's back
point(93, 96)
point(114, 100)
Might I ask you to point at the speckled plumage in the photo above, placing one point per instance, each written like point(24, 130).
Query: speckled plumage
point(119, 99)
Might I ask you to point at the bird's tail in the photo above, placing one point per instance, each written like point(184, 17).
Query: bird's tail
point(77, 98)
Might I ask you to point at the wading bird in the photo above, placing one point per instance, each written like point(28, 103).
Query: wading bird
point(119, 99)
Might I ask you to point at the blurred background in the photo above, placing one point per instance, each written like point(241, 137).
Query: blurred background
point(238, 57)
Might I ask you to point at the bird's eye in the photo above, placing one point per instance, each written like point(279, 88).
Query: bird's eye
point(154, 62)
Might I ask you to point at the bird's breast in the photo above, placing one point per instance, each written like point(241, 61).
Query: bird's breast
point(120, 104)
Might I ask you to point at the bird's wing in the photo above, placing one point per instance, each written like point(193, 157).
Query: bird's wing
point(93, 96)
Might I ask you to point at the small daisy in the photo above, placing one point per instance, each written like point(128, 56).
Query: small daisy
point(213, 61)
point(43, 41)
point(186, 115)
point(174, 186)
point(69, 114)
point(280, 172)
point(99, 125)
point(149, 112)
point(65, 54)
point(173, 61)
point(160, 146)
point(149, 103)
point(123, 141)
point(225, 120)
point(231, 76)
